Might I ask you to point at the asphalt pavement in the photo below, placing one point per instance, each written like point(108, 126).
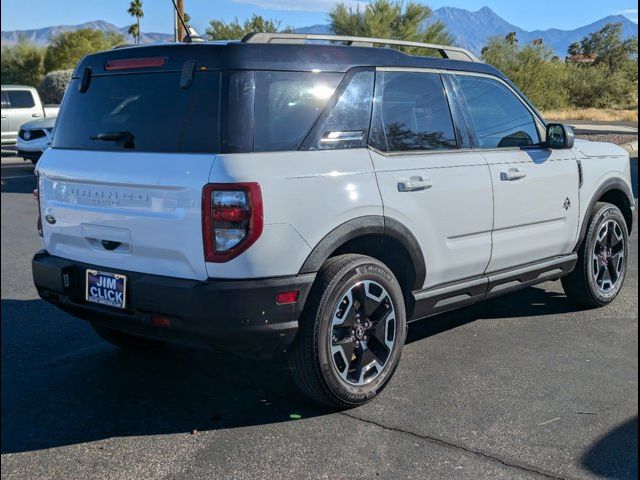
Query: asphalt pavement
point(526, 386)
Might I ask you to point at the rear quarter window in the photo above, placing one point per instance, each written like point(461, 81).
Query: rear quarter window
point(287, 104)
point(154, 112)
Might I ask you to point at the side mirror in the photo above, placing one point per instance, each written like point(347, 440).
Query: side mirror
point(559, 136)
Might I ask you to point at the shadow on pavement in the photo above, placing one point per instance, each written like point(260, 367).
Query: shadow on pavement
point(615, 455)
point(62, 385)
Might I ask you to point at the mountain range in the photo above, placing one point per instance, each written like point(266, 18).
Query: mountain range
point(469, 29)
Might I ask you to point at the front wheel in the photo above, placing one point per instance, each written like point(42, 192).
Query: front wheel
point(351, 332)
point(602, 259)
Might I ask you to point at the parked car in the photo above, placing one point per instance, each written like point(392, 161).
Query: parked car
point(21, 104)
point(34, 138)
point(274, 195)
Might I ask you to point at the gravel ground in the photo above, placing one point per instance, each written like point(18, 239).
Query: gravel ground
point(617, 138)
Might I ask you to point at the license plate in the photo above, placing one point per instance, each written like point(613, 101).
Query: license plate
point(106, 288)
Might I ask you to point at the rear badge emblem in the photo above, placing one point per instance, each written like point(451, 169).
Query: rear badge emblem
point(567, 204)
point(50, 219)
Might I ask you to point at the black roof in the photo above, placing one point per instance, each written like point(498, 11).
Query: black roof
point(264, 56)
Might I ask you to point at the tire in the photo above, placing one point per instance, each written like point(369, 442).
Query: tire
point(607, 233)
point(335, 322)
point(126, 341)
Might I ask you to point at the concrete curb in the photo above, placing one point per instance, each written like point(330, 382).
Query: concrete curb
point(631, 147)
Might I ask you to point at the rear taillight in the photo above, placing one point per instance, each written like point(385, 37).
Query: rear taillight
point(36, 195)
point(231, 219)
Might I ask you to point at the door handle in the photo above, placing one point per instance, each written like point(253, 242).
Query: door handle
point(4, 116)
point(414, 184)
point(511, 175)
point(35, 114)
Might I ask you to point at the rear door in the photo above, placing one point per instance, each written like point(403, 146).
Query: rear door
point(122, 186)
point(535, 189)
point(441, 193)
point(23, 108)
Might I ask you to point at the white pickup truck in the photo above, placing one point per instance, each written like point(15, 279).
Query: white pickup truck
point(21, 104)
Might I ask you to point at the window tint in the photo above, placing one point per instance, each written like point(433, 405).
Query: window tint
point(287, 105)
point(499, 118)
point(236, 131)
point(148, 112)
point(347, 124)
point(20, 99)
point(5, 99)
point(411, 112)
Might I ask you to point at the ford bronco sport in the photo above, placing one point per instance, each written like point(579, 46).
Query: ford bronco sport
point(312, 195)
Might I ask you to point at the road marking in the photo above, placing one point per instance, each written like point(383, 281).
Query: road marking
point(546, 423)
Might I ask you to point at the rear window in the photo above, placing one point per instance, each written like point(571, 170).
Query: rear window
point(142, 112)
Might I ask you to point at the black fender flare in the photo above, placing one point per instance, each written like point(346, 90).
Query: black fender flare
point(368, 225)
point(607, 186)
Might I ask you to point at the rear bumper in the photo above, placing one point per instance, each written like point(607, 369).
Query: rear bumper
point(236, 316)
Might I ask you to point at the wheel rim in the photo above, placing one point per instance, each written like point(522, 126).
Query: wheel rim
point(362, 333)
point(608, 258)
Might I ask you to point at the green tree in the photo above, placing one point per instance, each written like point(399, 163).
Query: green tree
point(391, 19)
point(532, 68)
point(67, 48)
point(608, 47)
point(22, 64)
point(219, 30)
point(574, 49)
point(135, 10)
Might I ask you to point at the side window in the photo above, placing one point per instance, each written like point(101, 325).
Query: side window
point(411, 112)
point(499, 117)
point(287, 104)
point(5, 100)
point(21, 99)
point(346, 123)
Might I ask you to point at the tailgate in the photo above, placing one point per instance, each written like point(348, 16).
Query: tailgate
point(125, 210)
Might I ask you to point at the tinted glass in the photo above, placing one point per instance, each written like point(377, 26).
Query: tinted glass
point(287, 105)
point(238, 89)
point(347, 123)
point(499, 118)
point(411, 112)
point(149, 111)
point(5, 99)
point(20, 99)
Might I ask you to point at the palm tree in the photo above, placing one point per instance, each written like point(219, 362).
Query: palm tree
point(574, 49)
point(135, 10)
point(511, 38)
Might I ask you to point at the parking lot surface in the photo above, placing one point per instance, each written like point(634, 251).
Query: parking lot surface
point(525, 386)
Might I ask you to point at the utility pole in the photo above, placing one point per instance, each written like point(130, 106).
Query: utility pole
point(181, 32)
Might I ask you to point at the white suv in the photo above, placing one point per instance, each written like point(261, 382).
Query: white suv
point(311, 194)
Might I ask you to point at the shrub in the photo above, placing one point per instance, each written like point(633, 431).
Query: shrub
point(53, 86)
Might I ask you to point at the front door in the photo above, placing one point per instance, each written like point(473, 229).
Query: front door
point(536, 200)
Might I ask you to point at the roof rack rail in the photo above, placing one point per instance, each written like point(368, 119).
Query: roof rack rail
point(453, 53)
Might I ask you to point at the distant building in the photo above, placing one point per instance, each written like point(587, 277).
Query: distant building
point(537, 42)
point(580, 58)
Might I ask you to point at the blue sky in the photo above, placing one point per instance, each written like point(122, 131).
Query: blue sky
point(530, 15)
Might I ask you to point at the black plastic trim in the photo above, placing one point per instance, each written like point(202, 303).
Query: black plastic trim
point(443, 298)
point(368, 225)
point(607, 186)
point(236, 316)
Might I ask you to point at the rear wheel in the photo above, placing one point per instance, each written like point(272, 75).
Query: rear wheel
point(126, 341)
point(351, 332)
point(602, 259)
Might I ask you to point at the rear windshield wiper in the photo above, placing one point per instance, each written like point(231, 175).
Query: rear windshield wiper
point(125, 137)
